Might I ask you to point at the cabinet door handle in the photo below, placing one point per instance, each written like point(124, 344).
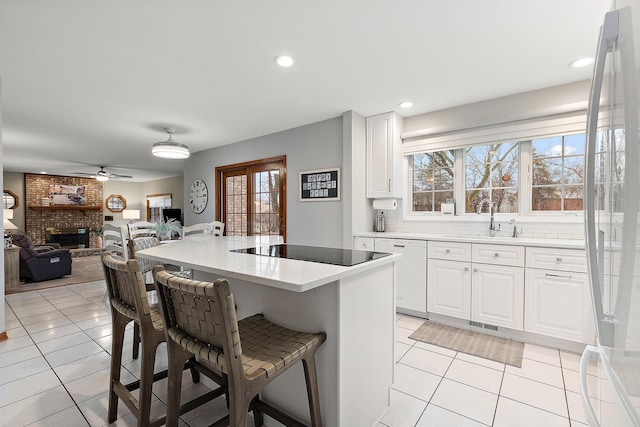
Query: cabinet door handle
point(558, 259)
point(475, 270)
point(389, 186)
point(466, 269)
point(398, 246)
point(497, 254)
point(447, 251)
point(558, 276)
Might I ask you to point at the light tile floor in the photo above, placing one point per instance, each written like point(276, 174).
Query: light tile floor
point(54, 371)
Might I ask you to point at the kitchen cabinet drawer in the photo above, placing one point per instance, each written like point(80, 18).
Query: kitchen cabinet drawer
point(557, 259)
point(498, 254)
point(453, 251)
point(363, 243)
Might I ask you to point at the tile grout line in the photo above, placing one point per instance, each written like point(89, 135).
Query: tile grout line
point(53, 370)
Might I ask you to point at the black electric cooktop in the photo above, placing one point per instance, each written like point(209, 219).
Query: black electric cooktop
point(344, 257)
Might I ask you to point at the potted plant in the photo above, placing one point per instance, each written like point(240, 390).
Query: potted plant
point(97, 233)
point(166, 227)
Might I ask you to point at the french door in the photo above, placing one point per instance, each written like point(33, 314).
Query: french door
point(252, 197)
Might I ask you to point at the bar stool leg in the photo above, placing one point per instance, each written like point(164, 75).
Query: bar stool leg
point(117, 339)
point(146, 383)
point(136, 340)
point(177, 358)
point(311, 379)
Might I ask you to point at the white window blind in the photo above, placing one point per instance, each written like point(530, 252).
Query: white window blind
point(423, 142)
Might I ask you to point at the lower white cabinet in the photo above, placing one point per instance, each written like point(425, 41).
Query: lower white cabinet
point(411, 271)
point(449, 288)
point(363, 243)
point(558, 304)
point(497, 295)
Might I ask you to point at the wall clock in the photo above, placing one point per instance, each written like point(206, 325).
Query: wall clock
point(198, 196)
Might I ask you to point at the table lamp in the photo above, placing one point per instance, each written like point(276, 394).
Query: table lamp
point(131, 214)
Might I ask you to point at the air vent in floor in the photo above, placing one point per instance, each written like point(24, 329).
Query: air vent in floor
point(483, 325)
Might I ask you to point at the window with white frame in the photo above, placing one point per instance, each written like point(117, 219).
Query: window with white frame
point(557, 173)
point(432, 180)
point(489, 176)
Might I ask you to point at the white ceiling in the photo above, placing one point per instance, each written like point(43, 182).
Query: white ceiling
point(90, 82)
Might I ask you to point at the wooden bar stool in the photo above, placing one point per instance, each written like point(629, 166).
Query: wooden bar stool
point(128, 301)
point(200, 320)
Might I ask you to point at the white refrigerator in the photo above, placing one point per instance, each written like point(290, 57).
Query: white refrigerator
point(611, 385)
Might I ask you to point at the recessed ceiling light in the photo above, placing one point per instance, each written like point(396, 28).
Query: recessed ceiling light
point(284, 60)
point(43, 172)
point(582, 62)
point(406, 104)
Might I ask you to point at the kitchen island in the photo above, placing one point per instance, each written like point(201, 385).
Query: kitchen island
point(354, 305)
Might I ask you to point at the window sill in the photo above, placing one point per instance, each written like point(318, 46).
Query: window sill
point(577, 218)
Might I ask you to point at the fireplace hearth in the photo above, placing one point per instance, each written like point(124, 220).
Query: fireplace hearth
point(70, 237)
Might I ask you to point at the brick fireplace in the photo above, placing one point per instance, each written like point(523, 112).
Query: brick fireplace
point(70, 224)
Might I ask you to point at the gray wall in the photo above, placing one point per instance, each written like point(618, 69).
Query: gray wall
point(314, 146)
point(538, 103)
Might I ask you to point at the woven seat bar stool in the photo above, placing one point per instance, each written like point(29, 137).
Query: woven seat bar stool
point(146, 265)
point(128, 301)
point(200, 320)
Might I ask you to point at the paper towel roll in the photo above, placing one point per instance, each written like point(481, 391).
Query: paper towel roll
point(385, 204)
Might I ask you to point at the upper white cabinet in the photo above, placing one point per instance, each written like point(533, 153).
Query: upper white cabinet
point(384, 156)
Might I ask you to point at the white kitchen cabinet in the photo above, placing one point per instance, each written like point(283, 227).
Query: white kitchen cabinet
point(498, 254)
point(364, 243)
point(497, 295)
point(449, 288)
point(384, 156)
point(489, 290)
point(452, 251)
point(558, 304)
point(411, 271)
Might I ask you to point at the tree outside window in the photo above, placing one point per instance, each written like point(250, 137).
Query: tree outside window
point(558, 173)
point(492, 178)
point(432, 180)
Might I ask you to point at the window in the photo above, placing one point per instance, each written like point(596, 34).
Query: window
point(432, 180)
point(532, 166)
point(610, 170)
point(557, 173)
point(491, 177)
point(252, 197)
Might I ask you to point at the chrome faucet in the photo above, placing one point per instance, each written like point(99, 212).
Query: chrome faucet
point(492, 224)
point(515, 227)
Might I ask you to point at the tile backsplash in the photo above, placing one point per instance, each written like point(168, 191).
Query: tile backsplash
point(540, 230)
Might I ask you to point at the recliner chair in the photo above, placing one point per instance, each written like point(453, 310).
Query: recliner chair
point(38, 263)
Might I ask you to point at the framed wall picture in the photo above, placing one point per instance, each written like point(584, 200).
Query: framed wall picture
point(319, 185)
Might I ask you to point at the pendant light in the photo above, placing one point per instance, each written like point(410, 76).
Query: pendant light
point(170, 149)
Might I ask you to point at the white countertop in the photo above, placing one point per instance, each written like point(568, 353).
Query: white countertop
point(518, 241)
point(211, 254)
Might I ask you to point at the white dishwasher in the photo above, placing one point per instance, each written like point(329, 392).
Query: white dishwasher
point(411, 272)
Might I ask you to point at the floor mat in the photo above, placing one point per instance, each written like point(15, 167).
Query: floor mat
point(477, 344)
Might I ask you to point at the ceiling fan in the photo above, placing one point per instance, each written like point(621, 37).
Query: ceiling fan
point(102, 175)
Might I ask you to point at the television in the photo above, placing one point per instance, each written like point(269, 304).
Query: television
point(175, 213)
